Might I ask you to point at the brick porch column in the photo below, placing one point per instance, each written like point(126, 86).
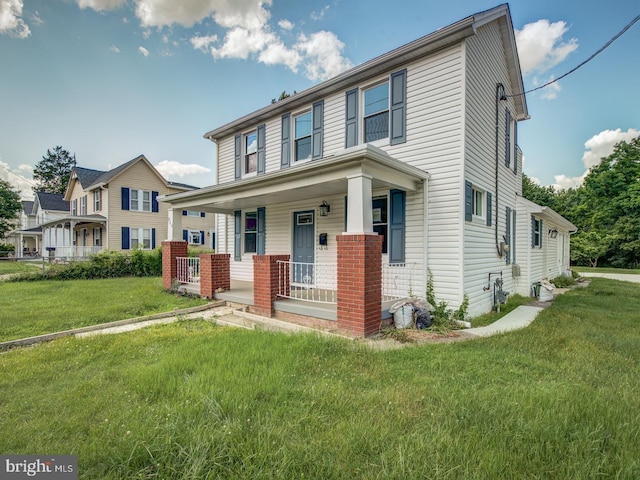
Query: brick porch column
point(359, 283)
point(215, 273)
point(170, 251)
point(265, 282)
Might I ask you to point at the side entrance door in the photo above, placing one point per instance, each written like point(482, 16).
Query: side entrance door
point(303, 247)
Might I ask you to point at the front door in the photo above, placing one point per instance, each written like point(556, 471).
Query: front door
point(303, 247)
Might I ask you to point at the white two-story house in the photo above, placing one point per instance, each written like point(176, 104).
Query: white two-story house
point(418, 147)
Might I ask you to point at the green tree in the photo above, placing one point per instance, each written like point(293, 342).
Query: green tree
point(10, 207)
point(53, 171)
point(537, 193)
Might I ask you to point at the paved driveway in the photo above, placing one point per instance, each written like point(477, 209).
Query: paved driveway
point(625, 277)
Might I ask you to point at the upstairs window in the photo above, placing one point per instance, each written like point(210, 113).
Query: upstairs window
point(74, 207)
point(83, 205)
point(302, 136)
point(250, 153)
point(376, 113)
point(97, 200)
point(139, 200)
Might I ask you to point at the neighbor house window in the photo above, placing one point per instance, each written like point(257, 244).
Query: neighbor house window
point(97, 200)
point(250, 153)
point(195, 238)
point(74, 207)
point(250, 232)
point(141, 238)
point(97, 237)
point(376, 112)
point(140, 200)
point(83, 205)
point(302, 136)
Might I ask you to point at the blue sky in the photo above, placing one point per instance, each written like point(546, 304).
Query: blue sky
point(111, 79)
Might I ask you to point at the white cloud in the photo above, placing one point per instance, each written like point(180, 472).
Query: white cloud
point(541, 45)
point(550, 92)
point(18, 181)
point(323, 55)
point(320, 15)
point(601, 145)
point(35, 19)
point(114, 49)
point(202, 42)
point(100, 5)
point(240, 42)
point(25, 168)
point(285, 24)
point(170, 168)
point(278, 54)
point(565, 183)
point(143, 51)
point(11, 22)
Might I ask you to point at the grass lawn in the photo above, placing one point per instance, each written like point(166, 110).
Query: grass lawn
point(606, 270)
point(36, 308)
point(559, 399)
point(8, 267)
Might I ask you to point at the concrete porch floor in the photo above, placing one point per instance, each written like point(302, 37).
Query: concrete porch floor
point(242, 292)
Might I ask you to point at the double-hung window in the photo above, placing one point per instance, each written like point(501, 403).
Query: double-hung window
point(250, 164)
point(376, 112)
point(478, 204)
point(141, 238)
point(74, 207)
point(97, 200)
point(302, 136)
point(83, 205)
point(250, 232)
point(140, 200)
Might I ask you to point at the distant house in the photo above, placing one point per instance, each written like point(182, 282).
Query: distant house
point(116, 210)
point(400, 174)
point(28, 236)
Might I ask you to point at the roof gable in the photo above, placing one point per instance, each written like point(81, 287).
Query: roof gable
point(51, 201)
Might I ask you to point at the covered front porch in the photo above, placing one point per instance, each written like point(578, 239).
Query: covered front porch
point(348, 210)
point(73, 236)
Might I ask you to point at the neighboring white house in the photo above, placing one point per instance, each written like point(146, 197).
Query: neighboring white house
point(418, 145)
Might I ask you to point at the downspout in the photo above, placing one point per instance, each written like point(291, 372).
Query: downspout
point(500, 95)
point(425, 195)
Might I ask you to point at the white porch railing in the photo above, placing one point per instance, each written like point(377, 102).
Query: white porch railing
point(397, 280)
point(71, 252)
point(312, 282)
point(318, 282)
point(188, 270)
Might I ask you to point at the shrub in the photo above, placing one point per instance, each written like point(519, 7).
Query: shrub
point(563, 281)
point(106, 264)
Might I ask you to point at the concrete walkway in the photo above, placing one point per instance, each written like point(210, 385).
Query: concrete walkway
point(624, 277)
point(518, 318)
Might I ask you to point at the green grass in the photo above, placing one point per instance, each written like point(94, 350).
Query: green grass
point(36, 308)
point(190, 400)
point(606, 270)
point(9, 267)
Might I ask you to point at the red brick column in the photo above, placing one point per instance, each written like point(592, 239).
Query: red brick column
point(170, 251)
point(215, 273)
point(359, 283)
point(265, 282)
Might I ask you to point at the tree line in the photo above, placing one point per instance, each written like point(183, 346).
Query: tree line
point(606, 209)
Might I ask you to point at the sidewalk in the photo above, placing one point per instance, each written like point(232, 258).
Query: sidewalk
point(518, 318)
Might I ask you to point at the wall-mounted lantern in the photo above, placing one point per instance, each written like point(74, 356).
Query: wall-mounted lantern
point(325, 208)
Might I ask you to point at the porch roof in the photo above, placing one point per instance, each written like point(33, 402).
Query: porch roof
point(76, 219)
point(317, 178)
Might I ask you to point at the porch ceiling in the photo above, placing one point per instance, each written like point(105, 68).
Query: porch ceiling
point(312, 179)
point(77, 219)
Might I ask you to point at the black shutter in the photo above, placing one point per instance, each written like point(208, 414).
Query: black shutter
point(261, 230)
point(317, 135)
point(261, 149)
point(237, 238)
point(489, 208)
point(125, 198)
point(515, 147)
point(398, 114)
point(351, 120)
point(397, 226)
point(153, 238)
point(154, 202)
point(238, 156)
point(533, 231)
point(468, 201)
point(507, 234)
point(184, 213)
point(185, 235)
point(285, 143)
point(541, 230)
point(507, 138)
point(125, 238)
point(201, 237)
point(514, 237)
point(202, 214)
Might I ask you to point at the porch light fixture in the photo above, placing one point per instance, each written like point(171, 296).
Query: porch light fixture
point(325, 208)
point(553, 233)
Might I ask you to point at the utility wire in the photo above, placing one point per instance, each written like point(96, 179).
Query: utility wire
point(604, 47)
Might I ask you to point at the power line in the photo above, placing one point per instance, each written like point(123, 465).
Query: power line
point(604, 47)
